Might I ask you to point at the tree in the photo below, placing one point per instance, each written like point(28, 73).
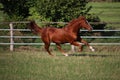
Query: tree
point(60, 10)
point(51, 10)
point(15, 9)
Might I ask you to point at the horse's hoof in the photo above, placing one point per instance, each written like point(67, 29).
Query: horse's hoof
point(93, 50)
point(52, 55)
point(66, 54)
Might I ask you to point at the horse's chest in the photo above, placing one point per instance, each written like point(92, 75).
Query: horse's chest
point(73, 35)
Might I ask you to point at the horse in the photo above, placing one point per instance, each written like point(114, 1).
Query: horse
point(67, 34)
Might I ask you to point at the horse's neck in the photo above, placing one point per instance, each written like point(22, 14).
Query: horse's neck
point(74, 27)
point(37, 28)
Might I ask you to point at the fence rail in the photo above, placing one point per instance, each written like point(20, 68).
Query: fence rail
point(107, 44)
point(80, 30)
point(12, 43)
point(40, 37)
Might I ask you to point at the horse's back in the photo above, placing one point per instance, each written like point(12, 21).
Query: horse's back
point(50, 32)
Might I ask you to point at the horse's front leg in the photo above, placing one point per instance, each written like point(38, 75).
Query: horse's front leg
point(59, 47)
point(87, 44)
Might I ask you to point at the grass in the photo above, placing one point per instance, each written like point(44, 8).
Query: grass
point(107, 11)
point(38, 65)
point(34, 65)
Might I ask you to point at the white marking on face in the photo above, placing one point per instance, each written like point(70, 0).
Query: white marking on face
point(89, 24)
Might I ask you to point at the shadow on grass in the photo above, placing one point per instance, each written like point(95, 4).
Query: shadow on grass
point(93, 55)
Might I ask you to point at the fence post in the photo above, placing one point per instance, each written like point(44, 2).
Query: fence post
point(11, 37)
point(72, 48)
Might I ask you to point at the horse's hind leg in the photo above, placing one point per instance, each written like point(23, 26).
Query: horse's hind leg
point(77, 44)
point(47, 49)
point(59, 47)
point(86, 43)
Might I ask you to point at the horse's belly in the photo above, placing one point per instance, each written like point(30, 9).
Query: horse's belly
point(62, 37)
point(60, 40)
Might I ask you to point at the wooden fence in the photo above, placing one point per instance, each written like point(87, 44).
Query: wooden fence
point(12, 43)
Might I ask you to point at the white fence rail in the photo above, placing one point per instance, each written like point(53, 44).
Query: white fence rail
point(12, 43)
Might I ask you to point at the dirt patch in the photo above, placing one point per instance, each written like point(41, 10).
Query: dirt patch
point(27, 48)
point(101, 49)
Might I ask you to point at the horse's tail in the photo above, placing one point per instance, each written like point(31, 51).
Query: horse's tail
point(35, 28)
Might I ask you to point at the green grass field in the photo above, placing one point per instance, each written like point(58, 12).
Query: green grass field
point(108, 12)
point(104, 64)
point(38, 65)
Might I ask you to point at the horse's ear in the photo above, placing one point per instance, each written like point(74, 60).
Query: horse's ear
point(81, 17)
point(32, 21)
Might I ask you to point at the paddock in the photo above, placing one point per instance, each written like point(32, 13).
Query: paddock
point(27, 62)
point(12, 43)
point(38, 65)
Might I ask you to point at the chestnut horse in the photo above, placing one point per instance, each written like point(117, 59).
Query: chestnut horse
point(67, 34)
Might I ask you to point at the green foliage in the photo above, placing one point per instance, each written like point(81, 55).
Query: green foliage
point(2, 15)
point(45, 10)
point(34, 15)
point(15, 9)
point(92, 18)
point(61, 10)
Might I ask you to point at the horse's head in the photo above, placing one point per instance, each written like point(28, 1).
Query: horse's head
point(84, 23)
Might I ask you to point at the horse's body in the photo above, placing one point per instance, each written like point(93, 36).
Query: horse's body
point(58, 36)
point(68, 34)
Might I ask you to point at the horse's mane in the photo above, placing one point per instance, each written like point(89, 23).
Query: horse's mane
point(71, 22)
point(74, 20)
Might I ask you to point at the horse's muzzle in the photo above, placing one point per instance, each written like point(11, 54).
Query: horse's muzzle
point(90, 29)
